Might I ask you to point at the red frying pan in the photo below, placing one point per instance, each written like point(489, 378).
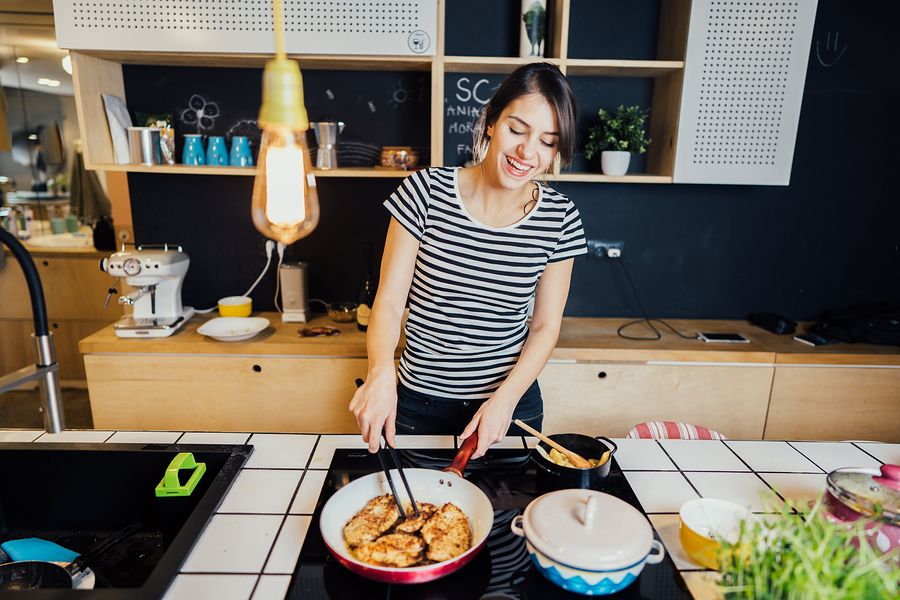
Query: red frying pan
point(436, 487)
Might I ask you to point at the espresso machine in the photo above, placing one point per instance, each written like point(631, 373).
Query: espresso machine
point(327, 133)
point(157, 273)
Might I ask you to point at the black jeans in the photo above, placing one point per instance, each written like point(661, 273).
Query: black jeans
point(420, 414)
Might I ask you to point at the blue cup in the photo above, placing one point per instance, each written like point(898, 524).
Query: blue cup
point(240, 153)
point(216, 152)
point(193, 150)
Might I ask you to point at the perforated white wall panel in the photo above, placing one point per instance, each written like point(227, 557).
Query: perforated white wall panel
point(246, 26)
point(743, 84)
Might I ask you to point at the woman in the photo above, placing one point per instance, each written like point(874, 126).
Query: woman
point(468, 248)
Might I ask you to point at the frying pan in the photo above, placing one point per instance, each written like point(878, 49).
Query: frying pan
point(38, 574)
point(436, 487)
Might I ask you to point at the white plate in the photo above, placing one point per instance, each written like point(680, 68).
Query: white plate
point(233, 329)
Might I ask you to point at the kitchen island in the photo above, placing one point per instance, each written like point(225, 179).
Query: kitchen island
point(250, 547)
point(769, 388)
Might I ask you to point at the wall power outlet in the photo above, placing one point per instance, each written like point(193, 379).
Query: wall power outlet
point(598, 250)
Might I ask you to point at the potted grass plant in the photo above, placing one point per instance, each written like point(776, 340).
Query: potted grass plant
point(616, 137)
point(807, 557)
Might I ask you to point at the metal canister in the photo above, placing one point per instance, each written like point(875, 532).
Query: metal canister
point(143, 142)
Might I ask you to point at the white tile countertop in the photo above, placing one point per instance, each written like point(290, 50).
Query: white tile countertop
point(251, 546)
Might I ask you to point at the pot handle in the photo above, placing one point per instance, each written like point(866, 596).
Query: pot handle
point(516, 526)
point(890, 476)
point(652, 559)
point(611, 444)
point(458, 466)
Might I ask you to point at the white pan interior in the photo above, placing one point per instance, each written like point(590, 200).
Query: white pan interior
point(436, 487)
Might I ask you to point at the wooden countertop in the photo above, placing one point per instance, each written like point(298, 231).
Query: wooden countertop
point(581, 339)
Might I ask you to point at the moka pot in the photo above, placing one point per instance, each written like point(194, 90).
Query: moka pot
point(327, 133)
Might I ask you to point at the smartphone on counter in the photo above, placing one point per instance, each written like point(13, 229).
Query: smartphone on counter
point(814, 339)
point(730, 338)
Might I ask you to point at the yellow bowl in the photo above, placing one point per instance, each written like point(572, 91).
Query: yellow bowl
point(705, 522)
point(235, 306)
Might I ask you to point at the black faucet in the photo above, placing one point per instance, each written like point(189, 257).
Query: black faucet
point(45, 369)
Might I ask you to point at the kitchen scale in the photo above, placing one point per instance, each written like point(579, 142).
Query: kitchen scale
point(503, 569)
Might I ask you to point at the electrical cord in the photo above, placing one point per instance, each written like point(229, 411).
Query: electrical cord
point(645, 318)
point(278, 274)
point(270, 245)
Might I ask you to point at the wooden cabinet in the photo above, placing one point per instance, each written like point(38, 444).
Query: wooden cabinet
point(225, 393)
point(100, 72)
point(609, 399)
point(74, 291)
point(835, 402)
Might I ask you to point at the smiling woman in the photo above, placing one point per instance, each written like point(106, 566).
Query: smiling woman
point(470, 250)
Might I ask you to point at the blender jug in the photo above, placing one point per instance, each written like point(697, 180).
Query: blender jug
point(327, 133)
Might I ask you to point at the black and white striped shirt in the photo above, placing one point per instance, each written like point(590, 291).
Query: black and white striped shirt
point(472, 284)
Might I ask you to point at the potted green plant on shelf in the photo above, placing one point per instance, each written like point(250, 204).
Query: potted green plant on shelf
point(616, 137)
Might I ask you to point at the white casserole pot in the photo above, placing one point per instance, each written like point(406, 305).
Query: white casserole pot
point(586, 541)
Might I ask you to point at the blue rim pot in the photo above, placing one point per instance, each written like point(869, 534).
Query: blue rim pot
point(586, 541)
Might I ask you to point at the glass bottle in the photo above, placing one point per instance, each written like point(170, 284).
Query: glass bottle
point(366, 290)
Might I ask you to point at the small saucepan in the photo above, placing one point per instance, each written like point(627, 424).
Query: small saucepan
point(427, 485)
point(551, 476)
point(38, 574)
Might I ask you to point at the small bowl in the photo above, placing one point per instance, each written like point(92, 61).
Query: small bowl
point(235, 306)
point(705, 522)
point(342, 312)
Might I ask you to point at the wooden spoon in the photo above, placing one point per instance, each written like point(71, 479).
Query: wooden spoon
point(576, 459)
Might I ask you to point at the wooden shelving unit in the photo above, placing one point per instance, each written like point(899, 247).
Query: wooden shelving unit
point(100, 72)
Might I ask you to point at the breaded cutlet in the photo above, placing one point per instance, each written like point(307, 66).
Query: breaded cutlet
point(374, 519)
point(446, 533)
point(393, 550)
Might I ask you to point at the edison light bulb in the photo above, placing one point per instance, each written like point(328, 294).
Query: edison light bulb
point(285, 203)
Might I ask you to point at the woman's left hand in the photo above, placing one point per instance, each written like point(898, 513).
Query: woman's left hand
point(492, 422)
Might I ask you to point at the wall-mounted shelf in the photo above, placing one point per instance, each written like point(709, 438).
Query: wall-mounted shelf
point(100, 72)
point(245, 171)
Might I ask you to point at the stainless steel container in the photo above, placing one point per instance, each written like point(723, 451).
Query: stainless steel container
point(327, 133)
point(143, 142)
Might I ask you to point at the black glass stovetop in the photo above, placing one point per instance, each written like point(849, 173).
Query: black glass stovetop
point(503, 569)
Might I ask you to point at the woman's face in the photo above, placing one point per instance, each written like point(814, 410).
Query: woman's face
point(524, 141)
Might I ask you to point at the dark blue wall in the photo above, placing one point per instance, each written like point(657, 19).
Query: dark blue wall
point(693, 251)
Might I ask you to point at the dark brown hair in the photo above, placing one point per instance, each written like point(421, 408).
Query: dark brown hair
point(535, 78)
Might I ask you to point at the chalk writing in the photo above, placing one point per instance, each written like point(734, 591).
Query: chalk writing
point(466, 93)
point(330, 94)
point(371, 106)
point(831, 55)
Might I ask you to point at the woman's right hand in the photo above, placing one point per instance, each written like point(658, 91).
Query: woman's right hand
point(375, 406)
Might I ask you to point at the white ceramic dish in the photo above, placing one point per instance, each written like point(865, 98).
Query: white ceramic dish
point(233, 329)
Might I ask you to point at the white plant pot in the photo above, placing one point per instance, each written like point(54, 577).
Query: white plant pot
point(615, 162)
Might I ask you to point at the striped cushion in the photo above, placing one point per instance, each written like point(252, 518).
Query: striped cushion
point(668, 430)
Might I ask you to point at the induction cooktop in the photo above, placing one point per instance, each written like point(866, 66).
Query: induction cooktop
point(502, 570)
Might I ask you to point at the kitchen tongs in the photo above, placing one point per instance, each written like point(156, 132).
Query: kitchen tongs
point(387, 472)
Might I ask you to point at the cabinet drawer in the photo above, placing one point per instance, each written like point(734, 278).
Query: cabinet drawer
point(611, 398)
point(74, 288)
point(835, 403)
point(227, 393)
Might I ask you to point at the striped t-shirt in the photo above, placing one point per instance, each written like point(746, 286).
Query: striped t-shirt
point(472, 283)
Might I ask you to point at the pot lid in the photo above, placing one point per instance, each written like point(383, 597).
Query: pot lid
point(870, 492)
point(587, 530)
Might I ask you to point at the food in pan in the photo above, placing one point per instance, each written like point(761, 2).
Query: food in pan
point(446, 533)
point(559, 458)
point(378, 536)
